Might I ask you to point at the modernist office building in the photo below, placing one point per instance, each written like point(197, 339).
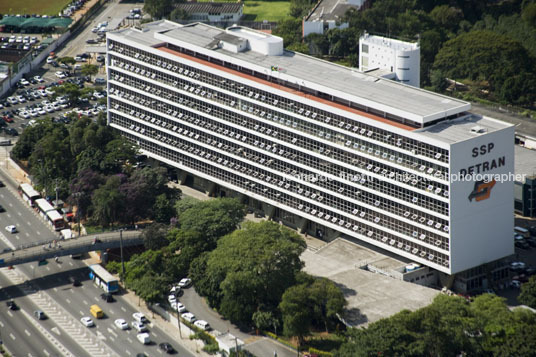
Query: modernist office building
point(343, 150)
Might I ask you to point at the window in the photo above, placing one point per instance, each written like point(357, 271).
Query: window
point(364, 48)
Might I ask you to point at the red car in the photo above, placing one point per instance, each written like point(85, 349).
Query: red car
point(7, 119)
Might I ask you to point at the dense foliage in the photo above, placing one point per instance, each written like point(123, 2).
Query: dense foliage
point(490, 46)
point(90, 164)
point(450, 326)
point(528, 293)
point(250, 269)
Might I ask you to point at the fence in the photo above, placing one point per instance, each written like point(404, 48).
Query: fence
point(256, 25)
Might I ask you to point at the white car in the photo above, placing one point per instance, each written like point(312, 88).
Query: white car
point(49, 91)
point(189, 317)
point(24, 115)
point(50, 60)
point(24, 82)
point(179, 307)
point(80, 59)
point(61, 75)
point(42, 92)
point(121, 324)
point(138, 316)
point(41, 111)
point(138, 326)
point(11, 229)
point(184, 283)
point(202, 324)
point(144, 338)
point(87, 321)
point(39, 79)
point(12, 100)
point(21, 99)
point(49, 109)
point(171, 298)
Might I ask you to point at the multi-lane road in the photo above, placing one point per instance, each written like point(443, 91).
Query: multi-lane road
point(49, 288)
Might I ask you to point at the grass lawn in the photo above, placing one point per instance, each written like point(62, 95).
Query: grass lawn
point(260, 10)
point(42, 7)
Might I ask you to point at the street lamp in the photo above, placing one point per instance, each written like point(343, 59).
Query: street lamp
point(122, 260)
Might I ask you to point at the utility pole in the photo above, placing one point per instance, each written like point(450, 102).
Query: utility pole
point(179, 320)
point(122, 260)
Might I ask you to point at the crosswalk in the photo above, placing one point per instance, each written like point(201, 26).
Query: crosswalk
point(92, 344)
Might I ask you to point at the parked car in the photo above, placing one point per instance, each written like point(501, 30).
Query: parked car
point(185, 283)
point(139, 317)
point(189, 317)
point(202, 324)
point(11, 229)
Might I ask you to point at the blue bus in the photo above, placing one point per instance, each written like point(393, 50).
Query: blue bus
point(103, 279)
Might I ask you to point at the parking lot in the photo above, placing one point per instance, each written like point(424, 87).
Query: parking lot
point(35, 98)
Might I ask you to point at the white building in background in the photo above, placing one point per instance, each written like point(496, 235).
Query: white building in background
point(328, 14)
point(321, 147)
point(402, 59)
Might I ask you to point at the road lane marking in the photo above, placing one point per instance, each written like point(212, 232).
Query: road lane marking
point(81, 313)
point(129, 340)
point(27, 332)
point(20, 214)
point(85, 302)
point(8, 215)
point(123, 308)
point(1, 324)
point(68, 301)
point(9, 313)
point(46, 352)
point(12, 336)
point(128, 352)
point(48, 268)
point(55, 330)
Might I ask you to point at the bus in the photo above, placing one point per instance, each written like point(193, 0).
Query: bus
point(56, 220)
point(50, 214)
point(29, 194)
point(103, 279)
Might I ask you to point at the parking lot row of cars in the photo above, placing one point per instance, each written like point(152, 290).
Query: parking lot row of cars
point(176, 305)
point(19, 42)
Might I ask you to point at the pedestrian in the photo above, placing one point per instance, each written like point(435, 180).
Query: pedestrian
point(54, 243)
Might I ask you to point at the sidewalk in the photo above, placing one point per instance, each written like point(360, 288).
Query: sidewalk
point(194, 346)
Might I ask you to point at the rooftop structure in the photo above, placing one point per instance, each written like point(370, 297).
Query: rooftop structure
point(399, 57)
point(328, 14)
point(340, 150)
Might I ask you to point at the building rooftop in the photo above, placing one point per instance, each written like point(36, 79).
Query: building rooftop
point(210, 7)
point(463, 128)
point(327, 10)
point(389, 42)
point(375, 92)
point(525, 161)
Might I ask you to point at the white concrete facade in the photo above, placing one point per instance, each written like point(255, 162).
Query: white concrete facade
point(186, 101)
point(399, 57)
point(327, 15)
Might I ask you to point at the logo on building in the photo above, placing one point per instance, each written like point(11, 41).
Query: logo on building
point(482, 190)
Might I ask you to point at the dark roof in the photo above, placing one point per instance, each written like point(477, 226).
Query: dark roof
point(210, 7)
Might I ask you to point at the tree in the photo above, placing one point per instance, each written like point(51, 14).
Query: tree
point(327, 301)
point(158, 8)
point(484, 56)
point(154, 236)
point(179, 14)
point(250, 269)
point(150, 287)
point(290, 30)
point(446, 16)
point(529, 14)
point(528, 293)
point(438, 81)
point(220, 217)
point(163, 209)
point(66, 60)
point(300, 8)
point(519, 89)
point(264, 320)
point(296, 313)
point(184, 203)
point(71, 90)
point(108, 202)
point(89, 70)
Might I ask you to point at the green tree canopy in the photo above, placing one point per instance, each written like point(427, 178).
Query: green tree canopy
point(158, 8)
point(220, 217)
point(250, 269)
point(89, 70)
point(484, 56)
point(528, 293)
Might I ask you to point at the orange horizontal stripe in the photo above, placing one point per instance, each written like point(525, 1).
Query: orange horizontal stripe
point(286, 89)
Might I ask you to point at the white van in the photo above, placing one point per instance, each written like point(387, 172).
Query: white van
point(66, 233)
point(144, 338)
point(202, 324)
point(524, 232)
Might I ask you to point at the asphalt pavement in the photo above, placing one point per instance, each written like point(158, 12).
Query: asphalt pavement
point(50, 289)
